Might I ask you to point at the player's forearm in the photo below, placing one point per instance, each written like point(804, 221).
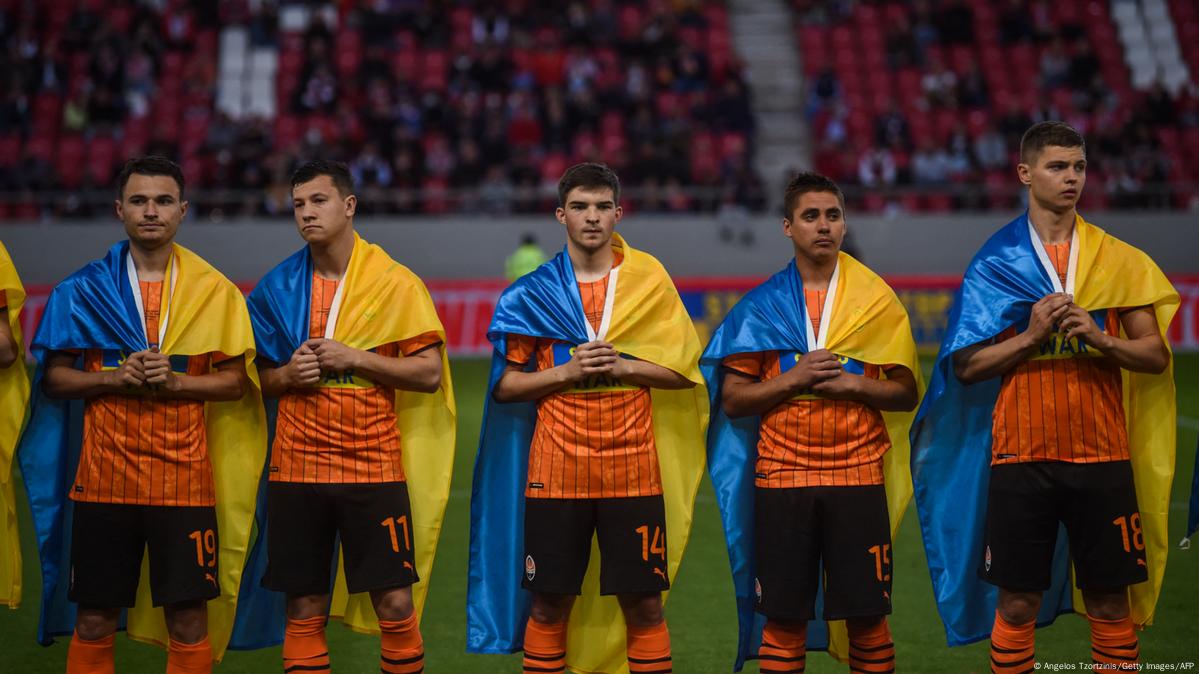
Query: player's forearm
point(749, 399)
point(1143, 354)
point(419, 373)
point(274, 380)
point(994, 360)
point(886, 395)
point(650, 375)
point(68, 383)
point(515, 386)
point(213, 387)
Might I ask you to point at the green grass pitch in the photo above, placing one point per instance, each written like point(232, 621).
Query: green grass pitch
point(700, 608)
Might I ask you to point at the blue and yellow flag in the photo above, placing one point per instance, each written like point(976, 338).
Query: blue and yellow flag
point(94, 309)
point(382, 302)
point(868, 325)
point(951, 439)
point(649, 322)
point(14, 402)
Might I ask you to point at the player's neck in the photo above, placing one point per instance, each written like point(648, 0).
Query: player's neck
point(590, 265)
point(151, 263)
point(330, 259)
point(815, 274)
point(1051, 227)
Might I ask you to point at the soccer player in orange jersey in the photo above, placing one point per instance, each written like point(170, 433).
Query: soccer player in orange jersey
point(335, 468)
point(593, 465)
point(1060, 448)
point(820, 500)
point(144, 477)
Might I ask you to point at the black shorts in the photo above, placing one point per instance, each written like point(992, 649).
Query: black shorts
point(632, 542)
point(304, 521)
point(846, 528)
point(107, 541)
point(1097, 502)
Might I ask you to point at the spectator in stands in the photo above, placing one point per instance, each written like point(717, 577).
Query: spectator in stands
point(903, 51)
point(1055, 65)
point(369, 169)
point(990, 150)
point(939, 84)
point(319, 93)
point(924, 27)
point(1013, 123)
point(876, 168)
point(931, 164)
point(1084, 66)
point(955, 22)
point(972, 87)
point(1015, 23)
point(825, 91)
point(891, 128)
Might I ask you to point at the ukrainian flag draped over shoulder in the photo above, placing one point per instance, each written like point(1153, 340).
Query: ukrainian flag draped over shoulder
point(868, 325)
point(951, 439)
point(94, 309)
point(382, 302)
point(14, 401)
point(650, 323)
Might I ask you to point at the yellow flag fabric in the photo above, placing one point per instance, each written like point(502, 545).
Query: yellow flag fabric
point(649, 322)
point(385, 302)
point(14, 403)
point(1113, 274)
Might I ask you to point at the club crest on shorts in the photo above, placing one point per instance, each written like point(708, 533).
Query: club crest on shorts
point(987, 559)
point(530, 567)
point(758, 589)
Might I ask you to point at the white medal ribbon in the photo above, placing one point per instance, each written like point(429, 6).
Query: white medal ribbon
point(335, 308)
point(609, 301)
point(1047, 264)
point(817, 341)
point(135, 286)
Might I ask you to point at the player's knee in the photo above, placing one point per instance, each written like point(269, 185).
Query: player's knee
point(303, 607)
point(1018, 608)
point(642, 610)
point(1106, 605)
point(393, 604)
point(187, 622)
point(864, 623)
point(95, 623)
point(550, 609)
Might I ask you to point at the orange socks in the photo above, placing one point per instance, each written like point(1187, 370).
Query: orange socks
point(91, 657)
point(545, 648)
point(1114, 642)
point(649, 649)
point(304, 646)
point(1012, 646)
point(871, 650)
point(403, 652)
point(783, 649)
point(189, 658)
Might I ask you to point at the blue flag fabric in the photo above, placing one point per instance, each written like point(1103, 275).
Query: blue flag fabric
point(544, 303)
point(951, 439)
point(91, 309)
point(769, 318)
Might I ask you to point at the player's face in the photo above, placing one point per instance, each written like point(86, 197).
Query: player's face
point(816, 226)
point(1056, 177)
point(322, 214)
point(151, 209)
point(590, 215)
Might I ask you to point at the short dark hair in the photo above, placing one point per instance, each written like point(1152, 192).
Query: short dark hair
point(338, 171)
point(151, 165)
point(808, 181)
point(588, 175)
point(1043, 134)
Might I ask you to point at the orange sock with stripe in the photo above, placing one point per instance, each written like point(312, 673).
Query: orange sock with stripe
point(545, 648)
point(189, 658)
point(305, 650)
point(403, 652)
point(1114, 642)
point(649, 649)
point(784, 648)
point(91, 657)
point(871, 650)
point(1012, 646)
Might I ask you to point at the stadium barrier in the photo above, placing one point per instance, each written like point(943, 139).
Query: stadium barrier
point(465, 307)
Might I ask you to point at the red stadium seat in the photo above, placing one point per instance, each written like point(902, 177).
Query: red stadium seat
point(69, 160)
point(10, 149)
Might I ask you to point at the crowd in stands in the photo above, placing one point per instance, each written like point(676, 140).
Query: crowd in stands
point(908, 96)
point(437, 105)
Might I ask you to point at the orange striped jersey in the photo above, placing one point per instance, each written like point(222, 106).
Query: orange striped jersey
point(1065, 403)
point(810, 441)
point(343, 430)
point(595, 440)
point(141, 450)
